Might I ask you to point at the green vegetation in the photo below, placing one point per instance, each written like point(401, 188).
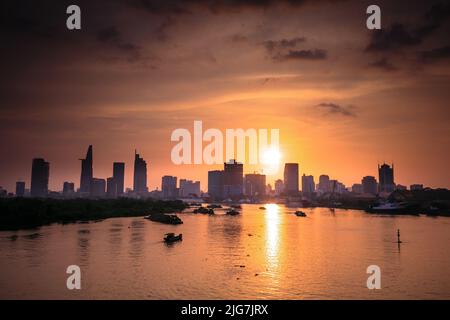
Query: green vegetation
point(18, 213)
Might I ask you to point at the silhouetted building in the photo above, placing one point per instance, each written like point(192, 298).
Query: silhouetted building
point(87, 173)
point(111, 187)
point(324, 184)
point(386, 178)
point(215, 184)
point(169, 187)
point(39, 178)
point(98, 187)
point(369, 185)
point(255, 185)
point(189, 188)
point(291, 178)
point(416, 187)
point(140, 174)
point(357, 188)
point(308, 185)
point(20, 188)
point(279, 187)
point(233, 179)
point(119, 177)
point(68, 188)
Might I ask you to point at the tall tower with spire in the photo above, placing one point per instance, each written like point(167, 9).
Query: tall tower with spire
point(87, 173)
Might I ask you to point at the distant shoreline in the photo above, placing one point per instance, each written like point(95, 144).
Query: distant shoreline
point(28, 213)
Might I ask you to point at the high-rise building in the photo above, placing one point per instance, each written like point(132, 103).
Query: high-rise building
point(369, 185)
point(255, 185)
point(39, 178)
point(357, 188)
point(169, 187)
point(140, 175)
point(291, 178)
point(119, 177)
point(308, 185)
point(111, 187)
point(386, 178)
point(215, 184)
point(20, 188)
point(87, 173)
point(189, 188)
point(324, 183)
point(98, 187)
point(233, 179)
point(279, 187)
point(68, 188)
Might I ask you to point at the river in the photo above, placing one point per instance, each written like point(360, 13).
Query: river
point(259, 254)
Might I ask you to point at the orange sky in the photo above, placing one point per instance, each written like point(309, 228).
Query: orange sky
point(135, 74)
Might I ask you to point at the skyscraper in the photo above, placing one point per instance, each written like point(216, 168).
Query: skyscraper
point(215, 184)
point(324, 183)
point(291, 178)
point(20, 189)
point(39, 178)
point(140, 175)
point(386, 178)
point(87, 173)
point(111, 187)
point(189, 188)
point(233, 179)
point(369, 185)
point(119, 176)
point(68, 188)
point(169, 187)
point(98, 187)
point(308, 186)
point(255, 185)
point(279, 187)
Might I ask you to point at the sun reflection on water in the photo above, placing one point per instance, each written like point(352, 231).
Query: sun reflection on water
point(272, 235)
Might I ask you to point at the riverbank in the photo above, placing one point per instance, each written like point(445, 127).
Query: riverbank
point(23, 213)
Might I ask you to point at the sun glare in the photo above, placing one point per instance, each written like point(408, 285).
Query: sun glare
point(271, 156)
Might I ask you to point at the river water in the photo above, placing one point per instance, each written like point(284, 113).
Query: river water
point(260, 254)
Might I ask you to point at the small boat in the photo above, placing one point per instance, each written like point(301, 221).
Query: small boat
point(204, 210)
point(164, 218)
point(233, 212)
point(393, 208)
point(171, 237)
point(262, 208)
point(299, 213)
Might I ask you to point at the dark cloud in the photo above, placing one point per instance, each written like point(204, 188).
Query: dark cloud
point(392, 38)
point(398, 36)
point(109, 34)
point(112, 37)
point(435, 55)
point(383, 64)
point(288, 49)
point(315, 54)
point(272, 45)
point(215, 6)
point(335, 109)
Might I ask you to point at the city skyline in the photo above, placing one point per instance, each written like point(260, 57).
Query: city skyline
point(294, 180)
